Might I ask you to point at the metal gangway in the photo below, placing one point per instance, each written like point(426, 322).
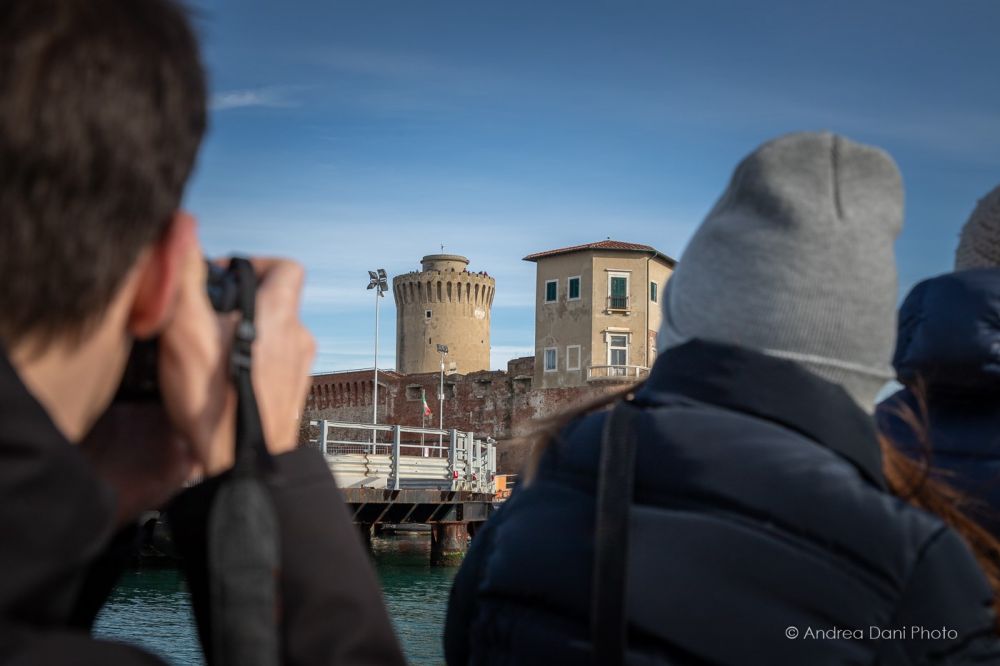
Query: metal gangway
point(394, 457)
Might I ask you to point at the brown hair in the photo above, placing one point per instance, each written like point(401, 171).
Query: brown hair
point(102, 109)
point(913, 480)
point(909, 479)
point(548, 429)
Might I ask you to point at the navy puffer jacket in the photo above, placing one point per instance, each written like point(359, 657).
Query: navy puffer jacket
point(761, 533)
point(948, 358)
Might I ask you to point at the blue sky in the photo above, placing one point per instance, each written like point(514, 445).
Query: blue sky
point(365, 134)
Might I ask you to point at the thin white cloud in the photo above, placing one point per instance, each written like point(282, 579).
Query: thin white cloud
point(967, 134)
point(321, 294)
point(409, 83)
point(271, 96)
point(385, 64)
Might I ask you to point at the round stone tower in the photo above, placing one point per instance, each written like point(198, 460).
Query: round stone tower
point(443, 304)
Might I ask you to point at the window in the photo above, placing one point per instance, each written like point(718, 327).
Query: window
point(427, 314)
point(618, 291)
point(573, 357)
point(481, 387)
point(618, 353)
point(550, 359)
point(652, 291)
point(573, 288)
point(551, 291)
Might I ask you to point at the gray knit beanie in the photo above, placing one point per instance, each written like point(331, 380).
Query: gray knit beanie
point(796, 260)
point(979, 246)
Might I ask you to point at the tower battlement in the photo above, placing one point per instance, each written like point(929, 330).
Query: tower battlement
point(443, 304)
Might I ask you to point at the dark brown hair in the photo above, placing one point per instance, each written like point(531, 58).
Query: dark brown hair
point(910, 479)
point(102, 108)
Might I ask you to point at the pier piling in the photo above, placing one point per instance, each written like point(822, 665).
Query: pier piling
point(366, 529)
point(449, 541)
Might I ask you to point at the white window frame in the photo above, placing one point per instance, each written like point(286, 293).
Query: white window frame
point(579, 357)
point(555, 353)
point(579, 280)
point(545, 294)
point(654, 291)
point(628, 285)
point(628, 341)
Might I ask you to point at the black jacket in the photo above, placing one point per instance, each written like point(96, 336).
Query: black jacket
point(760, 509)
point(57, 547)
point(949, 343)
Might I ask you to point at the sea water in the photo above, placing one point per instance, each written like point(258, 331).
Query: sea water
point(151, 606)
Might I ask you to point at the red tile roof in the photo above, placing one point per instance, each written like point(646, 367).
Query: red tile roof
point(609, 244)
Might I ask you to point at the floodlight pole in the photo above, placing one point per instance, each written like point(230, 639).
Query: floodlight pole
point(379, 283)
point(443, 350)
point(441, 406)
point(378, 295)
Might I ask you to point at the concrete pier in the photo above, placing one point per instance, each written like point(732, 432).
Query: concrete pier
point(449, 541)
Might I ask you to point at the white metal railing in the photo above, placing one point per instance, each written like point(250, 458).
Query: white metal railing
point(616, 372)
point(394, 457)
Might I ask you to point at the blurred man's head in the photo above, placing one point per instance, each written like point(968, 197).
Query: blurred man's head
point(102, 108)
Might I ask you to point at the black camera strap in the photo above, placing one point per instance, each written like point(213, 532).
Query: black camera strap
point(243, 538)
point(251, 449)
point(616, 478)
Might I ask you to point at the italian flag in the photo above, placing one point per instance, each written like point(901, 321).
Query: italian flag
point(427, 409)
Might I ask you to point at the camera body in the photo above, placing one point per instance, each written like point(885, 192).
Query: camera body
point(140, 383)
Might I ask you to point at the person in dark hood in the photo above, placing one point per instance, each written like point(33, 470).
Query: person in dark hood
point(765, 527)
point(102, 110)
point(948, 360)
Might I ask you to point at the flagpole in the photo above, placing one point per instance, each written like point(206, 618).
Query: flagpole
point(423, 419)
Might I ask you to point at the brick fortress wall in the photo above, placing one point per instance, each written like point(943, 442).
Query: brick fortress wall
point(493, 403)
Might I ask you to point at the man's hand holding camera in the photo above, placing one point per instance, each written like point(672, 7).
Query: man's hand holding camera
point(146, 451)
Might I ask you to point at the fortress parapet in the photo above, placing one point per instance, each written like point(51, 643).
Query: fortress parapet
point(443, 304)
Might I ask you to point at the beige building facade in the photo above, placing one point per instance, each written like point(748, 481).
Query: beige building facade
point(443, 304)
point(597, 312)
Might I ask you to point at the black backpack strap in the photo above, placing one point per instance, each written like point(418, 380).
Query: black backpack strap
point(614, 496)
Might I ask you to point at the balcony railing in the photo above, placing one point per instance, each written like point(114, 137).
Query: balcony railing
point(616, 373)
point(618, 303)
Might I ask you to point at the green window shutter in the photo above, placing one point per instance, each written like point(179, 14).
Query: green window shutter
point(619, 287)
point(550, 290)
point(618, 299)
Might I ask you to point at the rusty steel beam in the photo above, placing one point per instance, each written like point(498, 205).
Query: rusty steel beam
point(439, 506)
point(412, 496)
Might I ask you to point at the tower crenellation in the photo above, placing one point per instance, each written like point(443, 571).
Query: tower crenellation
point(443, 303)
